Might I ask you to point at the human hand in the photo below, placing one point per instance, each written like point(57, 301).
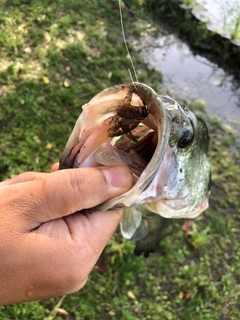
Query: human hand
point(46, 248)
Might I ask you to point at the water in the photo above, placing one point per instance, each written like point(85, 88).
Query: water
point(191, 76)
point(221, 16)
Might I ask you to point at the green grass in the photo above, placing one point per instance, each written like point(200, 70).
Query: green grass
point(78, 47)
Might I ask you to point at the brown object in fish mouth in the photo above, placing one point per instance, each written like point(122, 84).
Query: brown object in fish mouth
point(127, 118)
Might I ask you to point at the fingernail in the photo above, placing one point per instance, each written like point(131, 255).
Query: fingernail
point(118, 177)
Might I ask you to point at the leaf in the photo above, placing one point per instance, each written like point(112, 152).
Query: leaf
point(66, 84)
point(62, 311)
point(181, 295)
point(49, 146)
point(131, 295)
point(45, 80)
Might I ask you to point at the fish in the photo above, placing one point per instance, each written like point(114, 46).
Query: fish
point(161, 141)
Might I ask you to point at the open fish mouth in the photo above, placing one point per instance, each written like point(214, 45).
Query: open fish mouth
point(124, 125)
point(114, 117)
point(163, 144)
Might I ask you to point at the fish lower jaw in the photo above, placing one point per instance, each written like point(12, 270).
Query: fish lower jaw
point(162, 208)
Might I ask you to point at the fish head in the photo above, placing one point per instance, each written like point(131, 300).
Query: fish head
point(162, 142)
point(182, 185)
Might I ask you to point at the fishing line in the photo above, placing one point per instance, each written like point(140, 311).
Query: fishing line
point(130, 75)
point(125, 42)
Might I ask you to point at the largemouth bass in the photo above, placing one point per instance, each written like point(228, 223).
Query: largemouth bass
point(164, 145)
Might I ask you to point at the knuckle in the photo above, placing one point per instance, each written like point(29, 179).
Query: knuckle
point(75, 181)
point(75, 187)
point(86, 186)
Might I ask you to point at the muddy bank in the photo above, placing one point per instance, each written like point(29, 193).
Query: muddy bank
point(219, 16)
point(203, 41)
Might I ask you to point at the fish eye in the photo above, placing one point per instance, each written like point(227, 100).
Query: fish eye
point(186, 138)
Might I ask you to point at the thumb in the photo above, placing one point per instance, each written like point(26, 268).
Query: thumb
point(64, 192)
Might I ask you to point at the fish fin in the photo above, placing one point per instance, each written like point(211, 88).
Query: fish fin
point(141, 231)
point(158, 228)
point(130, 222)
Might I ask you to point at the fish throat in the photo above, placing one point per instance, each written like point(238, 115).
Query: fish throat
point(131, 141)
